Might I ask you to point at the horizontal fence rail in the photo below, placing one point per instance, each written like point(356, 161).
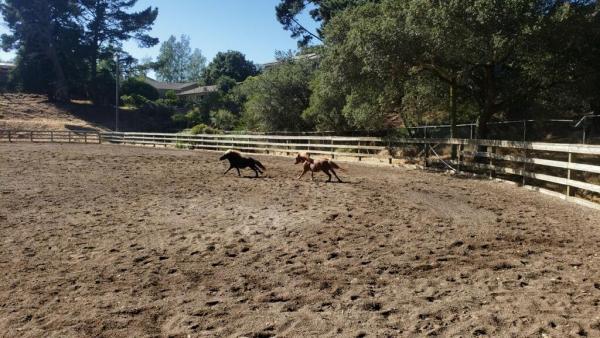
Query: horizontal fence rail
point(570, 171)
point(58, 136)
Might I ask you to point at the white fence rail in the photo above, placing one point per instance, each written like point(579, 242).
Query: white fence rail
point(58, 136)
point(570, 171)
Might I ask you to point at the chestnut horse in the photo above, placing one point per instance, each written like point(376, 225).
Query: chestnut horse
point(324, 165)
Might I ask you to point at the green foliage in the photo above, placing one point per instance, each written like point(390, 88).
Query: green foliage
point(498, 59)
point(322, 11)
point(155, 116)
point(225, 84)
point(171, 95)
point(232, 64)
point(203, 129)
point(104, 87)
point(193, 117)
point(170, 99)
point(128, 101)
point(63, 46)
point(178, 63)
point(277, 98)
point(224, 119)
point(135, 86)
point(134, 100)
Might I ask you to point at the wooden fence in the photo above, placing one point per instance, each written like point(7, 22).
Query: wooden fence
point(568, 171)
point(58, 136)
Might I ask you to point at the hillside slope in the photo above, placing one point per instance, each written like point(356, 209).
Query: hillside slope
point(35, 112)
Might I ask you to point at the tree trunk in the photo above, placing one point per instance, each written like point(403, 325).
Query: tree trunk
point(490, 103)
point(46, 31)
point(61, 89)
point(94, 63)
point(92, 86)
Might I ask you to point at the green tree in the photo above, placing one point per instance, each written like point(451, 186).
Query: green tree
point(60, 43)
point(41, 30)
point(277, 98)
point(322, 11)
point(135, 86)
point(223, 119)
point(178, 63)
point(108, 23)
point(232, 64)
point(501, 58)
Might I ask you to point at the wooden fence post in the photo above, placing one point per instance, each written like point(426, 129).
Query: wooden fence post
point(491, 155)
point(31, 136)
point(427, 146)
point(569, 175)
point(99, 138)
point(85, 137)
point(51, 136)
point(461, 148)
point(359, 157)
point(526, 153)
point(332, 149)
point(69, 137)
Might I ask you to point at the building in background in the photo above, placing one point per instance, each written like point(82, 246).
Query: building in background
point(190, 91)
point(164, 87)
point(197, 93)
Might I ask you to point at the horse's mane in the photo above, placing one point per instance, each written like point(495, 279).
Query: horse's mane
point(233, 153)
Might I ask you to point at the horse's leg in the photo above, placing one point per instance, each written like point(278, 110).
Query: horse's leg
point(312, 175)
point(336, 176)
point(328, 174)
point(255, 171)
point(303, 172)
point(226, 171)
point(238, 170)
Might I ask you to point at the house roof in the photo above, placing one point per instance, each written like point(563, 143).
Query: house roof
point(199, 90)
point(176, 86)
point(309, 56)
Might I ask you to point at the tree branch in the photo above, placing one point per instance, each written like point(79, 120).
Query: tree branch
point(306, 30)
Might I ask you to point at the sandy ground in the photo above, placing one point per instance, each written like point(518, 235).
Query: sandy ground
point(116, 241)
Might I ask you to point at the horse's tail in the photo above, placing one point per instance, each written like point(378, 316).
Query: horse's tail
point(334, 165)
point(260, 165)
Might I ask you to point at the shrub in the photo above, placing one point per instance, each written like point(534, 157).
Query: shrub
point(223, 119)
point(127, 100)
point(193, 117)
point(203, 129)
point(103, 88)
point(155, 116)
point(134, 100)
point(170, 99)
point(134, 86)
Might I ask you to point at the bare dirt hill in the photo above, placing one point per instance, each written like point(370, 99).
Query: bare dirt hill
point(34, 112)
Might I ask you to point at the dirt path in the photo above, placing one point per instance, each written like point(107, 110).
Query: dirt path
point(125, 241)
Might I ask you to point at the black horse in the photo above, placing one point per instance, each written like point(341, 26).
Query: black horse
point(237, 161)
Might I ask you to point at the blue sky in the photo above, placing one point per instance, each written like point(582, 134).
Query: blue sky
point(249, 26)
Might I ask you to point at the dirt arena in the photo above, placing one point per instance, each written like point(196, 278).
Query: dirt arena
point(117, 241)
